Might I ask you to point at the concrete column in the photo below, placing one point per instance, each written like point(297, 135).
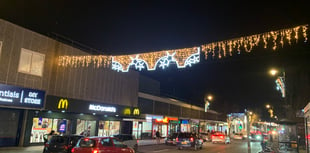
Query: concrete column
point(23, 129)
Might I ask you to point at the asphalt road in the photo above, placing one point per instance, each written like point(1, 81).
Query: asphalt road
point(236, 146)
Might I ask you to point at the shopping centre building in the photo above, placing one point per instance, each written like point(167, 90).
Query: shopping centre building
point(37, 96)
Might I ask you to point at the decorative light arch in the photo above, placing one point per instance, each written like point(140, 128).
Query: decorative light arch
point(162, 59)
point(188, 56)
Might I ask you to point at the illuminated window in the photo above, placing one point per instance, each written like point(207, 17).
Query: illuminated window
point(31, 62)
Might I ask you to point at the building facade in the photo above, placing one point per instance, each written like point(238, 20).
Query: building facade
point(38, 96)
point(28, 62)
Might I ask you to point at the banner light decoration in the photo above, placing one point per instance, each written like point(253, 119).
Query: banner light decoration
point(281, 85)
point(222, 48)
point(84, 61)
point(162, 59)
point(187, 56)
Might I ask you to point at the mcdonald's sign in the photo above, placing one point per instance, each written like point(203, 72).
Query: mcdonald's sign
point(63, 104)
point(127, 111)
point(136, 111)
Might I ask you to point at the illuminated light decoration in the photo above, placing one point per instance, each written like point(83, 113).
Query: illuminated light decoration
point(162, 59)
point(277, 38)
point(187, 56)
point(84, 61)
point(281, 85)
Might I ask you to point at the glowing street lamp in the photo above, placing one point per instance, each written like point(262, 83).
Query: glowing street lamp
point(280, 81)
point(207, 102)
point(273, 72)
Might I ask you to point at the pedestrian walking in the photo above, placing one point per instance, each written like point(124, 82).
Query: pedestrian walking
point(157, 137)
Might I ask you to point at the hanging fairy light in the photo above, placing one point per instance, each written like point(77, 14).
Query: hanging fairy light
point(84, 61)
point(277, 38)
point(187, 56)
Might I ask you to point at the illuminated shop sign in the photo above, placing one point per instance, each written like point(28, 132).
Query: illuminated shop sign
point(166, 120)
point(23, 97)
point(184, 121)
point(63, 104)
point(129, 111)
point(136, 111)
point(100, 108)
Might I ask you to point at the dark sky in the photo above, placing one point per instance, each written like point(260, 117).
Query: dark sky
point(131, 26)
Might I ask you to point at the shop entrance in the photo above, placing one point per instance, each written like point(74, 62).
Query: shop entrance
point(162, 128)
point(10, 127)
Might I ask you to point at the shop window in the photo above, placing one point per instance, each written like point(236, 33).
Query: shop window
point(42, 126)
point(85, 127)
point(31, 62)
point(108, 128)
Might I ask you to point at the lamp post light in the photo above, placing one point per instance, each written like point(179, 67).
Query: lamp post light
point(280, 81)
point(207, 99)
point(270, 110)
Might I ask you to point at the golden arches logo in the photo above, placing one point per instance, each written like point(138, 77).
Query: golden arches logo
point(136, 111)
point(63, 104)
point(127, 111)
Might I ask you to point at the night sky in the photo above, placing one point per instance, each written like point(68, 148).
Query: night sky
point(129, 26)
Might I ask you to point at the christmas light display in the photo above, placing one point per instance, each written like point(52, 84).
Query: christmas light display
point(187, 56)
point(222, 48)
point(162, 59)
point(84, 61)
point(281, 85)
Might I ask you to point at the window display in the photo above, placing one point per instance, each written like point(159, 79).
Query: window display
point(85, 127)
point(108, 128)
point(42, 126)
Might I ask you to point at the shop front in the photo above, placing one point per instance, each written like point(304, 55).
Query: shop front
point(307, 126)
point(14, 103)
point(185, 125)
point(73, 116)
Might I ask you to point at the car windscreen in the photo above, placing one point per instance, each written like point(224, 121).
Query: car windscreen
point(87, 143)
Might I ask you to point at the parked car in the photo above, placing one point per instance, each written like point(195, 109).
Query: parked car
point(238, 136)
point(188, 140)
point(129, 140)
point(206, 137)
point(61, 143)
point(101, 144)
point(220, 138)
point(171, 140)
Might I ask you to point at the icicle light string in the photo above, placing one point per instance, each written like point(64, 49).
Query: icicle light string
point(188, 56)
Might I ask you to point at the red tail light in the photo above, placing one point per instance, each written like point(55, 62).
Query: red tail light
point(191, 139)
point(72, 150)
point(213, 136)
point(177, 139)
point(66, 147)
point(95, 151)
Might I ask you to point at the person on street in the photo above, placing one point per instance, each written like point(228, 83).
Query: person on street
point(47, 137)
point(157, 137)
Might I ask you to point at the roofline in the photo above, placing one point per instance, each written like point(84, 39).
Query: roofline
point(173, 101)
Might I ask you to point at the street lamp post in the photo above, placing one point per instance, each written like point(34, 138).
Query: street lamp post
point(280, 81)
point(207, 102)
point(247, 114)
point(270, 110)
